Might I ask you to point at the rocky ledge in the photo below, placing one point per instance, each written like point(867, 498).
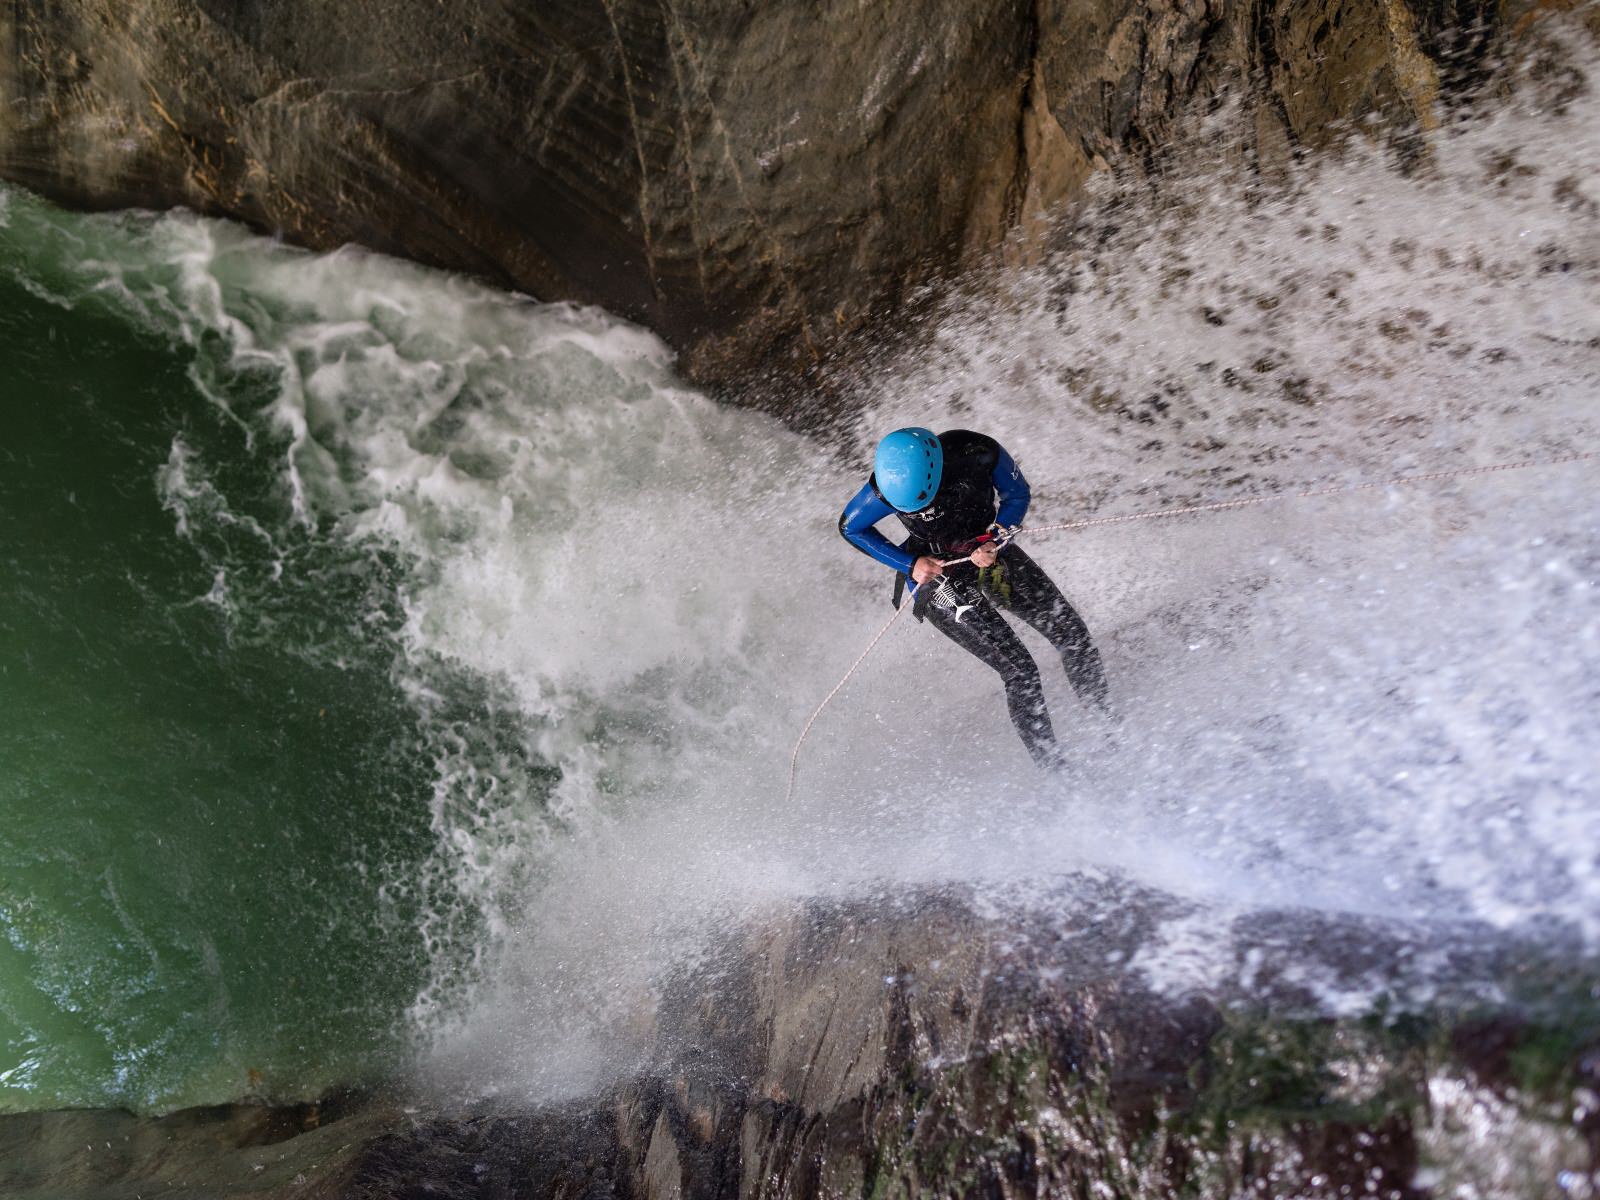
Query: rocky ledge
point(925, 1048)
point(759, 183)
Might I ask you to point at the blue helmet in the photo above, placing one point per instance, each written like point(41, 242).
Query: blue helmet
point(907, 468)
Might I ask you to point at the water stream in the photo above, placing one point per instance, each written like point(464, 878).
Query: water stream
point(399, 675)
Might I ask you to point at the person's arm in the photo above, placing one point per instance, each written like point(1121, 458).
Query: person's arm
point(1012, 489)
point(866, 509)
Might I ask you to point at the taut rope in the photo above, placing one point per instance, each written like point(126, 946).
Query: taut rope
point(1185, 510)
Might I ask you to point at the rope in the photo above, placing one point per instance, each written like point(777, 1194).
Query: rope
point(794, 755)
point(1185, 510)
point(1340, 490)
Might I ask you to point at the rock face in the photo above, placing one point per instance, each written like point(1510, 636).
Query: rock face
point(865, 1051)
point(756, 182)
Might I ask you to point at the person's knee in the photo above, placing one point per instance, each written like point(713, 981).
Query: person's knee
point(1022, 678)
point(1070, 635)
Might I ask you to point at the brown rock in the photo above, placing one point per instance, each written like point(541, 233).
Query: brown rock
point(758, 183)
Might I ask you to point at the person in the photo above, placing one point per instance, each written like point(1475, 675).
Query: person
point(959, 493)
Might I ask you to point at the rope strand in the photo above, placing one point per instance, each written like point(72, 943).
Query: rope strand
point(1185, 510)
point(794, 756)
point(1337, 490)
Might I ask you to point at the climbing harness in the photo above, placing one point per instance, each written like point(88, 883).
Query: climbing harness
point(1003, 536)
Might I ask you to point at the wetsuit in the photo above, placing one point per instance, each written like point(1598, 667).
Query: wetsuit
point(965, 604)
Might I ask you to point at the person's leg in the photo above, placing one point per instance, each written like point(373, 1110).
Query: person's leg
point(983, 632)
point(1023, 587)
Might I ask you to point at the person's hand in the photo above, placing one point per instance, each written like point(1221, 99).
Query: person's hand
point(926, 569)
point(983, 557)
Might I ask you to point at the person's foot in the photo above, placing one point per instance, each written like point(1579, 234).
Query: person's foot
point(1051, 759)
point(1102, 705)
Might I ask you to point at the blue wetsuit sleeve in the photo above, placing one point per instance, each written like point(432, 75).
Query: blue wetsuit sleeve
point(866, 509)
point(1013, 490)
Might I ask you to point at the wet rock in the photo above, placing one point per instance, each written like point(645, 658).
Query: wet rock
point(922, 1048)
point(231, 1149)
point(758, 183)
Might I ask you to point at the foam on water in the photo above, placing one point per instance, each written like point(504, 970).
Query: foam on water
point(620, 601)
point(1382, 704)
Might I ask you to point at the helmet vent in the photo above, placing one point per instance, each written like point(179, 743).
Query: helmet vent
point(900, 458)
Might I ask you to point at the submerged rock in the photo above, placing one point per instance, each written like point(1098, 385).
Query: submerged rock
point(758, 183)
point(925, 1049)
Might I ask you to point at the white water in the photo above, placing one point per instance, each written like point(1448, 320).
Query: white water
point(1385, 704)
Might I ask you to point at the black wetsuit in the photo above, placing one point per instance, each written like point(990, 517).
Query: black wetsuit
point(965, 605)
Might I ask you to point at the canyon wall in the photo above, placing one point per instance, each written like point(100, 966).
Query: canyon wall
point(763, 185)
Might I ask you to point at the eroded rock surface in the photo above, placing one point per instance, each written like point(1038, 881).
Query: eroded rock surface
point(756, 182)
point(854, 1050)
